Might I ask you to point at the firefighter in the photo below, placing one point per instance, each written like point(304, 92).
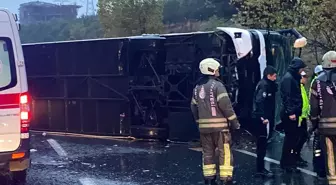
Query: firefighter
point(290, 92)
point(264, 115)
point(302, 127)
point(212, 110)
point(318, 156)
point(323, 111)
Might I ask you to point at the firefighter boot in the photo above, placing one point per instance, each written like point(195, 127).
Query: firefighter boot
point(210, 182)
point(227, 181)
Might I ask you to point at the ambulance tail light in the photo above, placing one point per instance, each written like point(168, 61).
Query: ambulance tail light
point(25, 114)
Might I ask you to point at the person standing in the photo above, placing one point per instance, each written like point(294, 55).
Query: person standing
point(291, 111)
point(323, 112)
point(318, 156)
point(212, 110)
point(302, 127)
point(264, 115)
point(317, 71)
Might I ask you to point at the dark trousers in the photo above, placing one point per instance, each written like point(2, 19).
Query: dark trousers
point(290, 144)
point(303, 136)
point(261, 136)
point(319, 155)
point(222, 141)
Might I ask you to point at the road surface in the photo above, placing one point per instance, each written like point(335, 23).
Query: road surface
point(69, 160)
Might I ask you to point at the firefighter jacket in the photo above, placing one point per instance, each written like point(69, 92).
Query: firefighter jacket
point(264, 100)
point(323, 103)
point(305, 104)
point(311, 83)
point(211, 107)
point(290, 90)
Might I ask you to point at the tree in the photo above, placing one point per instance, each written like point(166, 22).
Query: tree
point(176, 11)
point(215, 22)
point(87, 27)
point(274, 14)
point(130, 17)
point(322, 23)
point(314, 18)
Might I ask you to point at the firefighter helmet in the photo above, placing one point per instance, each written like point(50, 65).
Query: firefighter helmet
point(329, 60)
point(209, 66)
point(318, 69)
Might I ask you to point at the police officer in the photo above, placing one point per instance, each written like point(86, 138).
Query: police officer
point(302, 127)
point(291, 111)
point(212, 110)
point(323, 111)
point(264, 115)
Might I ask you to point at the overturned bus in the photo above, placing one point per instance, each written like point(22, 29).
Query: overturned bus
point(141, 86)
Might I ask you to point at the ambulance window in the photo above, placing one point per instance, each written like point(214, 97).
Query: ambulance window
point(7, 64)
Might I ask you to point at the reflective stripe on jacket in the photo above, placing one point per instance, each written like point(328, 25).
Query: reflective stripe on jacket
point(211, 107)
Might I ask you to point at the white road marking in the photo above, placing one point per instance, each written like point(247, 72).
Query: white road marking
point(57, 147)
point(308, 172)
point(94, 181)
point(87, 181)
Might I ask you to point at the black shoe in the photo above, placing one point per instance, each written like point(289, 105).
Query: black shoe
point(292, 169)
point(210, 182)
point(301, 163)
point(265, 173)
point(301, 160)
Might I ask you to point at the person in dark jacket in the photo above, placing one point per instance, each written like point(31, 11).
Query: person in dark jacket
point(290, 91)
point(323, 112)
point(264, 115)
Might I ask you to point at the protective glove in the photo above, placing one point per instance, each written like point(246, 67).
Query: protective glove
point(235, 136)
point(235, 125)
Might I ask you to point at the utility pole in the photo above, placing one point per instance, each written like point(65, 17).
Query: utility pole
point(90, 7)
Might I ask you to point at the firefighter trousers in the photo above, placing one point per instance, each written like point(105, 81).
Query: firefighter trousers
point(329, 145)
point(318, 157)
point(221, 141)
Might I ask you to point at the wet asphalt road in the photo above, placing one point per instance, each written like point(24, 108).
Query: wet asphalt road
point(58, 160)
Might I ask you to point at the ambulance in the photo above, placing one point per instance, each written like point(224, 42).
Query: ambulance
point(15, 102)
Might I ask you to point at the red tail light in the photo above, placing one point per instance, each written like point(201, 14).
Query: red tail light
point(25, 112)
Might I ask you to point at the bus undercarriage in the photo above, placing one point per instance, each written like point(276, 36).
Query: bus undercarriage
point(141, 86)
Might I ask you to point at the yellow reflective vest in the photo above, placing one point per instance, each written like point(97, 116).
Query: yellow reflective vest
point(305, 104)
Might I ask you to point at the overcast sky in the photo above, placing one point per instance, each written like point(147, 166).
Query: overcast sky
point(13, 5)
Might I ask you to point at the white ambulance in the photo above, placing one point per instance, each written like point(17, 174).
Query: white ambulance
point(15, 101)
